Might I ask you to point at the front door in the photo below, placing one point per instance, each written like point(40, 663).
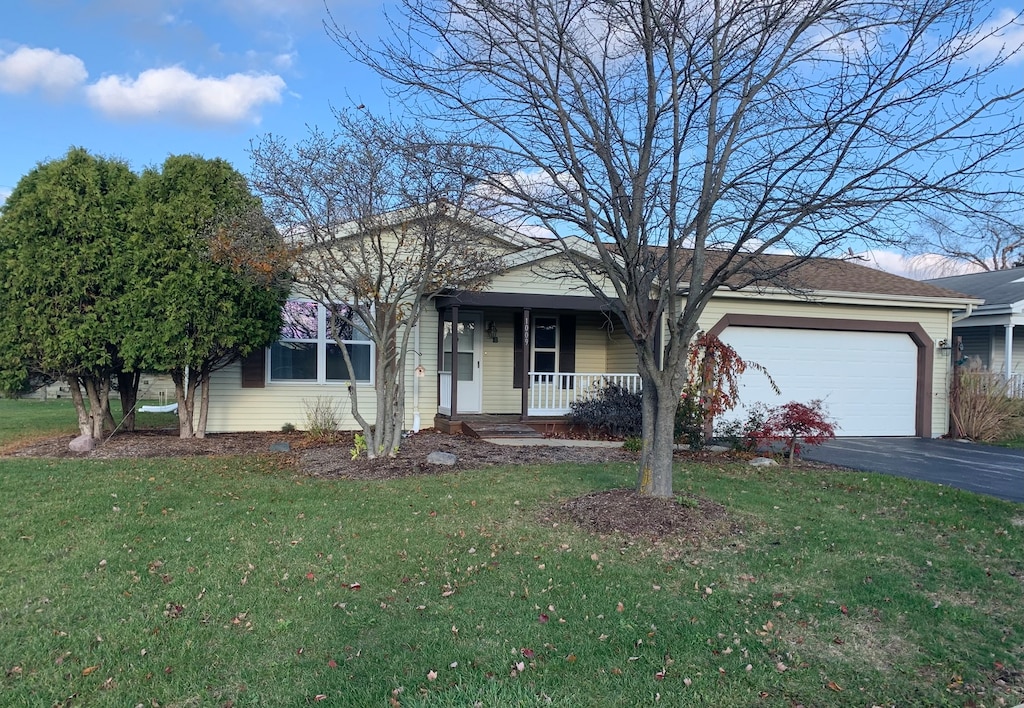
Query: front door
point(470, 355)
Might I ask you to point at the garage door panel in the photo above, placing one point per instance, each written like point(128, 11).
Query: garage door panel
point(867, 380)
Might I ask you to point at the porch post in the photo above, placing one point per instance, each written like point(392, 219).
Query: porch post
point(526, 362)
point(455, 360)
point(440, 351)
point(1008, 352)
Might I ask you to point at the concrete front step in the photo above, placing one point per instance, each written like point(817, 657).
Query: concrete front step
point(480, 429)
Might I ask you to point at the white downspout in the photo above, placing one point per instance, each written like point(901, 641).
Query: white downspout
point(967, 313)
point(416, 378)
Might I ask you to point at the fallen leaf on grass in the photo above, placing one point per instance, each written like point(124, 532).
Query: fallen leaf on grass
point(528, 653)
point(331, 663)
point(89, 669)
point(320, 697)
point(832, 685)
point(431, 675)
point(542, 618)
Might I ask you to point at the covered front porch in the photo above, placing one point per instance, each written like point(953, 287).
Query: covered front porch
point(528, 357)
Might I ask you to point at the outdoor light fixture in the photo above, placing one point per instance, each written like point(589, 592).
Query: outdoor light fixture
point(492, 331)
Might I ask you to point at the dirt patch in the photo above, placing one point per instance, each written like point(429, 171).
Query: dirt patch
point(327, 457)
point(159, 443)
point(616, 511)
point(624, 511)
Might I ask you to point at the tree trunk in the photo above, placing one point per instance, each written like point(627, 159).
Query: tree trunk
point(128, 388)
point(84, 421)
point(98, 394)
point(659, 410)
point(204, 405)
point(185, 395)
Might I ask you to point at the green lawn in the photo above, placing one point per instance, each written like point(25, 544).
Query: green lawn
point(234, 581)
point(21, 419)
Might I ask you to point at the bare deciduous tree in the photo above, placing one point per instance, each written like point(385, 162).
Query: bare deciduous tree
point(717, 131)
point(992, 238)
point(376, 213)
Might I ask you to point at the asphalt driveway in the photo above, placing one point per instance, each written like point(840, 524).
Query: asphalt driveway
point(996, 471)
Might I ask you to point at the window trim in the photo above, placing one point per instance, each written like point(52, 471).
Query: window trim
point(322, 341)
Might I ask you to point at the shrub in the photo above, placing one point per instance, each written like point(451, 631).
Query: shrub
point(321, 417)
point(714, 369)
point(632, 444)
point(796, 424)
point(980, 406)
point(288, 428)
point(742, 434)
point(689, 428)
point(612, 410)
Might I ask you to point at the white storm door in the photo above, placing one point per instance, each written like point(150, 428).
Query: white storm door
point(470, 355)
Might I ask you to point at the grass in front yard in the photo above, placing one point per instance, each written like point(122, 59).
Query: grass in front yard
point(27, 419)
point(233, 582)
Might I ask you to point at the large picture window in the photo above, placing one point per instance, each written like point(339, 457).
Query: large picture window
point(307, 352)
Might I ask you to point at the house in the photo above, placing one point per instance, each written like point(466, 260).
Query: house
point(992, 333)
point(868, 343)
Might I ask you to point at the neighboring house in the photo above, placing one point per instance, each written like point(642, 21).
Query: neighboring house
point(152, 387)
point(993, 332)
point(865, 342)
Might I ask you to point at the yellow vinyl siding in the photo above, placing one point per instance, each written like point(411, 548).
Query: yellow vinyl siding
point(233, 408)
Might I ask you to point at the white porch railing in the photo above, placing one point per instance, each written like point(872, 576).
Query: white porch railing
point(553, 394)
point(1015, 386)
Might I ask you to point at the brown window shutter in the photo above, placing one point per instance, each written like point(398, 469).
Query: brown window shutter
point(567, 346)
point(254, 369)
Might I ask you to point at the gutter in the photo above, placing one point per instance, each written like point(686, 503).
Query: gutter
point(967, 313)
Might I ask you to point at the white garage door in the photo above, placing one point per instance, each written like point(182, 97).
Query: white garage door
point(867, 380)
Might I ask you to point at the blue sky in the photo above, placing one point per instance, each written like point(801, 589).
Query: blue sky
point(144, 79)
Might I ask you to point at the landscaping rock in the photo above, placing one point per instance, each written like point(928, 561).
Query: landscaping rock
point(280, 447)
point(441, 458)
point(718, 448)
point(83, 443)
point(763, 462)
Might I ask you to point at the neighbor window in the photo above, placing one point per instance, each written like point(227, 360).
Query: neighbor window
point(307, 352)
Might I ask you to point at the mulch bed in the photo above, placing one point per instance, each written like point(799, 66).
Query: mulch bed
point(615, 511)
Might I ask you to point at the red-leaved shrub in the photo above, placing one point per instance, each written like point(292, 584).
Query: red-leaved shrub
point(796, 424)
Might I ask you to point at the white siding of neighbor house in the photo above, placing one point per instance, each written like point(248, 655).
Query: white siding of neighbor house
point(936, 322)
point(998, 360)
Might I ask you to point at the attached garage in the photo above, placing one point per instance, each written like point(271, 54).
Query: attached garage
point(873, 377)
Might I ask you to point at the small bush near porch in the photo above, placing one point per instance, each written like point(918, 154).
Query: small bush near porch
point(238, 581)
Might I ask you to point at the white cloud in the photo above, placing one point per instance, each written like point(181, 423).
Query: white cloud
point(1005, 35)
point(28, 68)
point(286, 60)
point(919, 267)
point(176, 93)
point(4, 193)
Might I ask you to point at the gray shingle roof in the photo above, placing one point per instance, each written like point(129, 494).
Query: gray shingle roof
point(997, 287)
